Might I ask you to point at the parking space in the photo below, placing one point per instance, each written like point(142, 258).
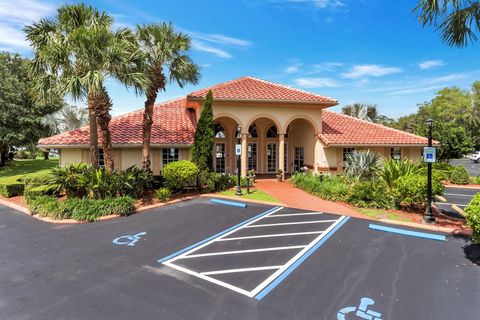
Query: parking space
point(198, 260)
point(459, 197)
point(250, 256)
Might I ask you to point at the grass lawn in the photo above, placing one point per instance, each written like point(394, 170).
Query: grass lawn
point(382, 214)
point(20, 168)
point(253, 195)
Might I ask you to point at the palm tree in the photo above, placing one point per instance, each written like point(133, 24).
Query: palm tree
point(68, 118)
point(74, 54)
point(458, 20)
point(166, 59)
point(361, 111)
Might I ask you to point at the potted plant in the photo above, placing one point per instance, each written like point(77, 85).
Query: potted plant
point(252, 175)
point(279, 175)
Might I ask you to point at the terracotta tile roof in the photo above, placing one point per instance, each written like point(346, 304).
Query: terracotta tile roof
point(249, 88)
point(172, 124)
point(339, 129)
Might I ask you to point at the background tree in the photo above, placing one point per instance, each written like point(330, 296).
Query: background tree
point(74, 54)
point(361, 111)
point(20, 116)
point(165, 53)
point(67, 118)
point(202, 150)
point(457, 20)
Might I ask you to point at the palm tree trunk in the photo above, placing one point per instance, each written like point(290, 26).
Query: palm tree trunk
point(103, 105)
point(92, 119)
point(157, 83)
point(147, 129)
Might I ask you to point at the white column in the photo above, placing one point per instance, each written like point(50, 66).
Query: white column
point(316, 155)
point(244, 154)
point(281, 153)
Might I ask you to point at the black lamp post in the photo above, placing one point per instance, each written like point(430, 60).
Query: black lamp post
point(239, 164)
point(428, 216)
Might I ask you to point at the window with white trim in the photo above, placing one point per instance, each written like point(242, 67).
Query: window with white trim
point(396, 153)
point(169, 155)
point(346, 152)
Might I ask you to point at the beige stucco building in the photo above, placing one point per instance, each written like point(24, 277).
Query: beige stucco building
point(278, 127)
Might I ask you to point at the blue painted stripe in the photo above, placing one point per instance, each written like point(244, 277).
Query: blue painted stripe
point(229, 203)
point(405, 232)
point(299, 261)
point(173, 255)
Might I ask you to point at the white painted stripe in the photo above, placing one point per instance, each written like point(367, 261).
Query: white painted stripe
point(207, 278)
point(459, 195)
point(295, 214)
point(277, 273)
point(222, 236)
point(288, 223)
point(241, 251)
point(271, 235)
point(240, 270)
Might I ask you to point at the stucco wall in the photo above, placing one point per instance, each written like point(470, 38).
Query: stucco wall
point(70, 156)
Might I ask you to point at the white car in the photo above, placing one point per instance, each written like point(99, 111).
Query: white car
point(475, 157)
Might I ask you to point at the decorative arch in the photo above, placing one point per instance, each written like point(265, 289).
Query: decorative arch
point(303, 117)
point(228, 115)
point(267, 116)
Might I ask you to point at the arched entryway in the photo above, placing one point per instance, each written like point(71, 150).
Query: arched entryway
point(302, 139)
point(226, 136)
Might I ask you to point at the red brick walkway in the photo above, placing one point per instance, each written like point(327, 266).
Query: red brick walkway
point(296, 198)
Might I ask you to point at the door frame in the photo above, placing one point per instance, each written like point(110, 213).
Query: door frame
point(276, 156)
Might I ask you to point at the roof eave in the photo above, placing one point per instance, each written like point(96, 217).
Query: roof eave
point(319, 103)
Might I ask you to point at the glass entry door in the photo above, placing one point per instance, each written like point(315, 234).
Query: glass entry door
point(299, 158)
point(252, 156)
point(271, 157)
point(219, 157)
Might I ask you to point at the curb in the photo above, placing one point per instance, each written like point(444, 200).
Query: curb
point(213, 195)
point(15, 206)
point(419, 226)
point(463, 186)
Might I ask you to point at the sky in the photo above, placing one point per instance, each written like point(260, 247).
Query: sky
point(367, 51)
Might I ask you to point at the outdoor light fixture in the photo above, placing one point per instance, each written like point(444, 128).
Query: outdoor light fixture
point(429, 157)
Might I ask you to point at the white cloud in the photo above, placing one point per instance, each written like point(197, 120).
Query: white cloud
point(318, 4)
point(14, 15)
point(316, 82)
point(428, 64)
point(220, 39)
point(201, 46)
point(369, 70)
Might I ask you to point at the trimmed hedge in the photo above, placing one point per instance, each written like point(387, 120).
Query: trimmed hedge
point(459, 175)
point(180, 174)
point(82, 209)
point(411, 191)
point(12, 189)
point(327, 187)
point(371, 194)
point(473, 217)
point(44, 190)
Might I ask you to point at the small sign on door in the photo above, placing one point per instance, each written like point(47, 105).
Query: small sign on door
point(238, 149)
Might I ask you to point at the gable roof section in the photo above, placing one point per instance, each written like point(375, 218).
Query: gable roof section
point(340, 129)
point(172, 124)
point(253, 89)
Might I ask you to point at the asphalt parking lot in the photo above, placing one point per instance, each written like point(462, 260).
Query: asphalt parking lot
point(473, 168)
point(459, 197)
point(199, 260)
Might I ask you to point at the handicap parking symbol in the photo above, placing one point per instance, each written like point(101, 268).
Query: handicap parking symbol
point(361, 311)
point(128, 240)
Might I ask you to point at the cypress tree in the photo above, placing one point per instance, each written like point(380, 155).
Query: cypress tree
point(202, 151)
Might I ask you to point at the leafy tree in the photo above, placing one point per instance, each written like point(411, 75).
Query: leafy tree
point(20, 116)
point(202, 151)
point(457, 20)
point(75, 53)
point(361, 111)
point(68, 118)
point(165, 59)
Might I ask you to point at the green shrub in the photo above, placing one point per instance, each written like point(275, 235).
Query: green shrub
point(371, 194)
point(460, 175)
point(327, 187)
point(92, 209)
point(12, 189)
point(444, 169)
point(180, 174)
point(477, 180)
point(46, 206)
point(411, 191)
point(362, 165)
point(211, 181)
point(44, 190)
point(394, 169)
point(163, 194)
point(473, 217)
point(82, 180)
